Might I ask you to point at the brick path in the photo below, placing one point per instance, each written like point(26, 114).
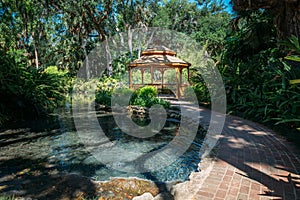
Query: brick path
point(252, 163)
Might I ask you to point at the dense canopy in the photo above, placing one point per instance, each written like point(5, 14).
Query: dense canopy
point(286, 13)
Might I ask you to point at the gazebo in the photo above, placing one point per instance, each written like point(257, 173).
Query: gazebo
point(159, 60)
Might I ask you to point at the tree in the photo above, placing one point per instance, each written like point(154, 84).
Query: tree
point(22, 29)
point(286, 14)
point(205, 21)
point(63, 32)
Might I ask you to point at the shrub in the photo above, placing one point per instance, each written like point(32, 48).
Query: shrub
point(147, 96)
point(103, 98)
point(104, 90)
point(26, 91)
point(258, 87)
point(144, 96)
point(197, 93)
point(122, 96)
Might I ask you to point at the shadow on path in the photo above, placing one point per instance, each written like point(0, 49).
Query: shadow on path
point(252, 162)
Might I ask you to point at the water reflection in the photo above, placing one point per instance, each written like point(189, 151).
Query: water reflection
point(60, 150)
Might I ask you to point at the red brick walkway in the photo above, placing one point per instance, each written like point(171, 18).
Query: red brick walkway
point(252, 163)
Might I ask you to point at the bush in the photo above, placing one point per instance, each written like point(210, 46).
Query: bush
point(144, 96)
point(52, 87)
point(105, 89)
point(122, 96)
point(257, 80)
point(198, 93)
point(108, 84)
point(27, 92)
point(147, 96)
point(103, 98)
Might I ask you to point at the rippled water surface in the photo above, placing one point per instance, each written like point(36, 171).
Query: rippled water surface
point(54, 146)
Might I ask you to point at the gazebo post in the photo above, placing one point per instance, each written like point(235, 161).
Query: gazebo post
point(130, 77)
point(180, 83)
point(142, 71)
point(177, 83)
point(162, 78)
point(152, 75)
point(188, 73)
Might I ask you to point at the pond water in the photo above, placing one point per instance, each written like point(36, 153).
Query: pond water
point(58, 149)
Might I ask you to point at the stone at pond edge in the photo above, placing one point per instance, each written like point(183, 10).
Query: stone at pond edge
point(188, 189)
point(123, 188)
point(145, 196)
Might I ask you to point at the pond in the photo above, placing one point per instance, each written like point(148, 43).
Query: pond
point(53, 146)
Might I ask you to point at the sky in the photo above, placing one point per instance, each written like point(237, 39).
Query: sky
point(228, 6)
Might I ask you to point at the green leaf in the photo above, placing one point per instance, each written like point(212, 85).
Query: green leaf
point(293, 58)
point(287, 120)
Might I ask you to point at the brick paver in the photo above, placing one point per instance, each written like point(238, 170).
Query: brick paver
point(252, 162)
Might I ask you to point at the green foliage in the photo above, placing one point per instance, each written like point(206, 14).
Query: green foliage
point(103, 98)
point(26, 90)
point(256, 78)
point(120, 64)
point(48, 87)
point(293, 45)
point(199, 85)
point(198, 90)
point(145, 93)
point(204, 21)
point(105, 89)
point(7, 198)
point(122, 95)
point(252, 33)
point(108, 84)
point(147, 96)
point(36, 36)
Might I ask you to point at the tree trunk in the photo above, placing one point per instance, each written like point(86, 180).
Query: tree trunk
point(36, 56)
point(130, 33)
point(287, 18)
point(108, 59)
point(87, 64)
point(286, 14)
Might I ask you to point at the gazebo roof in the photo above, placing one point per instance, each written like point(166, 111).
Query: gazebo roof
point(159, 57)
